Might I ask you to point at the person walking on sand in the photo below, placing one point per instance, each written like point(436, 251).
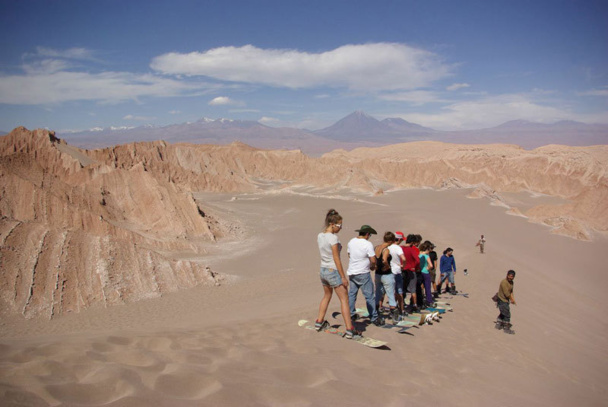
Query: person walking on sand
point(505, 296)
point(481, 243)
point(447, 267)
point(332, 273)
point(385, 279)
point(362, 262)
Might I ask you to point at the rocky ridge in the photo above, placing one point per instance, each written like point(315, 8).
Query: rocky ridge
point(74, 236)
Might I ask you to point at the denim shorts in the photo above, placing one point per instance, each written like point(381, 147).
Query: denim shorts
point(330, 277)
point(399, 284)
point(449, 275)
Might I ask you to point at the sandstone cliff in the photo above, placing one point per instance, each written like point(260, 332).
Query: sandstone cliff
point(73, 236)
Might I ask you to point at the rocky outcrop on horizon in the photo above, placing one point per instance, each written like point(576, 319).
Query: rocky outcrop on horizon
point(85, 228)
point(576, 174)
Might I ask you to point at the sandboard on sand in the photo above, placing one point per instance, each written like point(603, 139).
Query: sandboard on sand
point(401, 324)
point(363, 340)
point(437, 309)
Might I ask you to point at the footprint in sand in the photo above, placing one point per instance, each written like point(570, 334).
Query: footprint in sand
point(106, 386)
point(21, 398)
point(132, 357)
point(187, 384)
point(157, 343)
point(120, 340)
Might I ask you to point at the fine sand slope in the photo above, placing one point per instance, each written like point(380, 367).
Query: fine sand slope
point(239, 343)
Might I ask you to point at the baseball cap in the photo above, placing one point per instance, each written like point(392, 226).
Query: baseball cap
point(399, 235)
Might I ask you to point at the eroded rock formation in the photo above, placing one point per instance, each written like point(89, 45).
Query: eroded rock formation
point(73, 236)
point(81, 228)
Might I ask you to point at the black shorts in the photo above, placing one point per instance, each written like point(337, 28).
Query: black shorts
point(410, 281)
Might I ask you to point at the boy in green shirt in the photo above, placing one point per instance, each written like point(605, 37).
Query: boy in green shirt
point(505, 296)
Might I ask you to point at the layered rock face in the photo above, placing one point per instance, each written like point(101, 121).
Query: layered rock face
point(81, 228)
point(75, 232)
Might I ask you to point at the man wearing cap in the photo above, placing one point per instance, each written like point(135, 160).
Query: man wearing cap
point(362, 261)
point(505, 295)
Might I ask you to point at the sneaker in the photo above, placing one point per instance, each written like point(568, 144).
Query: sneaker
point(395, 315)
point(321, 326)
point(352, 334)
point(379, 321)
point(499, 325)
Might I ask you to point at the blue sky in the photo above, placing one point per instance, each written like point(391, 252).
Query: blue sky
point(451, 65)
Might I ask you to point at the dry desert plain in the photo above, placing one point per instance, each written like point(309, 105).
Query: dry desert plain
point(238, 343)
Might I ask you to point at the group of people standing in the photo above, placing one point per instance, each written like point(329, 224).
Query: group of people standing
point(404, 271)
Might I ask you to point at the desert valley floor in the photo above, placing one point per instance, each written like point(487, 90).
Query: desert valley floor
point(239, 343)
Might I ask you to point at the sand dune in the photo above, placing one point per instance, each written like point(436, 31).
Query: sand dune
point(239, 344)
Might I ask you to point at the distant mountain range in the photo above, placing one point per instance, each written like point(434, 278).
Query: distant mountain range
point(360, 126)
point(355, 130)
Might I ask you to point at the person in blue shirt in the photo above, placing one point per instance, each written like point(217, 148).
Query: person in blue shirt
point(447, 267)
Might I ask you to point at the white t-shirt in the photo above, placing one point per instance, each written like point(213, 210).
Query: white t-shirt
point(325, 242)
point(359, 251)
point(396, 252)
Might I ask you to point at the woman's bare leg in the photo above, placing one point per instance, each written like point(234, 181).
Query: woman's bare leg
point(344, 307)
point(327, 292)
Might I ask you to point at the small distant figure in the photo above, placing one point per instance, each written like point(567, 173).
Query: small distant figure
point(481, 243)
point(505, 296)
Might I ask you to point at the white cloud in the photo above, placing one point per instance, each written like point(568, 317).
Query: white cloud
point(244, 110)
point(46, 66)
point(55, 76)
point(595, 92)
point(269, 120)
point(457, 86)
point(71, 53)
point(55, 87)
point(416, 97)
point(224, 101)
point(368, 67)
point(489, 112)
point(139, 118)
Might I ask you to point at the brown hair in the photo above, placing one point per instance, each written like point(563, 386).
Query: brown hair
point(389, 237)
point(426, 246)
point(332, 217)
